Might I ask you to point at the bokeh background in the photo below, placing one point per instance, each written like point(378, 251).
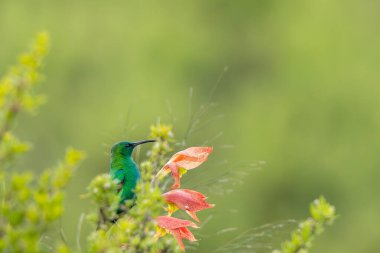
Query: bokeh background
point(301, 92)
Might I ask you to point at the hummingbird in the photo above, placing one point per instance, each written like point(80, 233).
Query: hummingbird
point(125, 171)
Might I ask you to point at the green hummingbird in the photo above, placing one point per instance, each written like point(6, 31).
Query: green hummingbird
point(125, 170)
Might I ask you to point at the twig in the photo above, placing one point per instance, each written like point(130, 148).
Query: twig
point(79, 230)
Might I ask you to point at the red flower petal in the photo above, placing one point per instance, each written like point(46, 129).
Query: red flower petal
point(188, 200)
point(193, 215)
point(177, 235)
point(188, 159)
point(168, 222)
point(182, 233)
point(178, 228)
point(191, 158)
point(186, 234)
point(175, 174)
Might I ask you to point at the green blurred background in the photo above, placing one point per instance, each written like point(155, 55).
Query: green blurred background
point(301, 93)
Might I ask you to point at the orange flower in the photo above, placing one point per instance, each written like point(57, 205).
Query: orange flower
point(184, 160)
point(187, 200)
point(176, 227)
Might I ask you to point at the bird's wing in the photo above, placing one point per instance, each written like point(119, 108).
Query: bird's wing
point(119, 175)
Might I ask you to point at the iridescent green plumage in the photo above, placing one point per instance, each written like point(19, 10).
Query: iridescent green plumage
point(125, 170)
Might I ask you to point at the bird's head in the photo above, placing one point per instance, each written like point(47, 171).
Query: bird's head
point(125, 148)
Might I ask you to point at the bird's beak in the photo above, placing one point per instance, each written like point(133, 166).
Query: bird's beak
point(142, 142)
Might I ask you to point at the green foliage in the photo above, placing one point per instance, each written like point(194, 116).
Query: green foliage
point(30, 203)
point(11, 146)
point(102, 191)
point(158, 153)
point(17, 92)
point(322, 214)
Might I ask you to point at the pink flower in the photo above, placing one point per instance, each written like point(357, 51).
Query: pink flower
point(184, 160)
point(187, 200)
point(176, 227)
